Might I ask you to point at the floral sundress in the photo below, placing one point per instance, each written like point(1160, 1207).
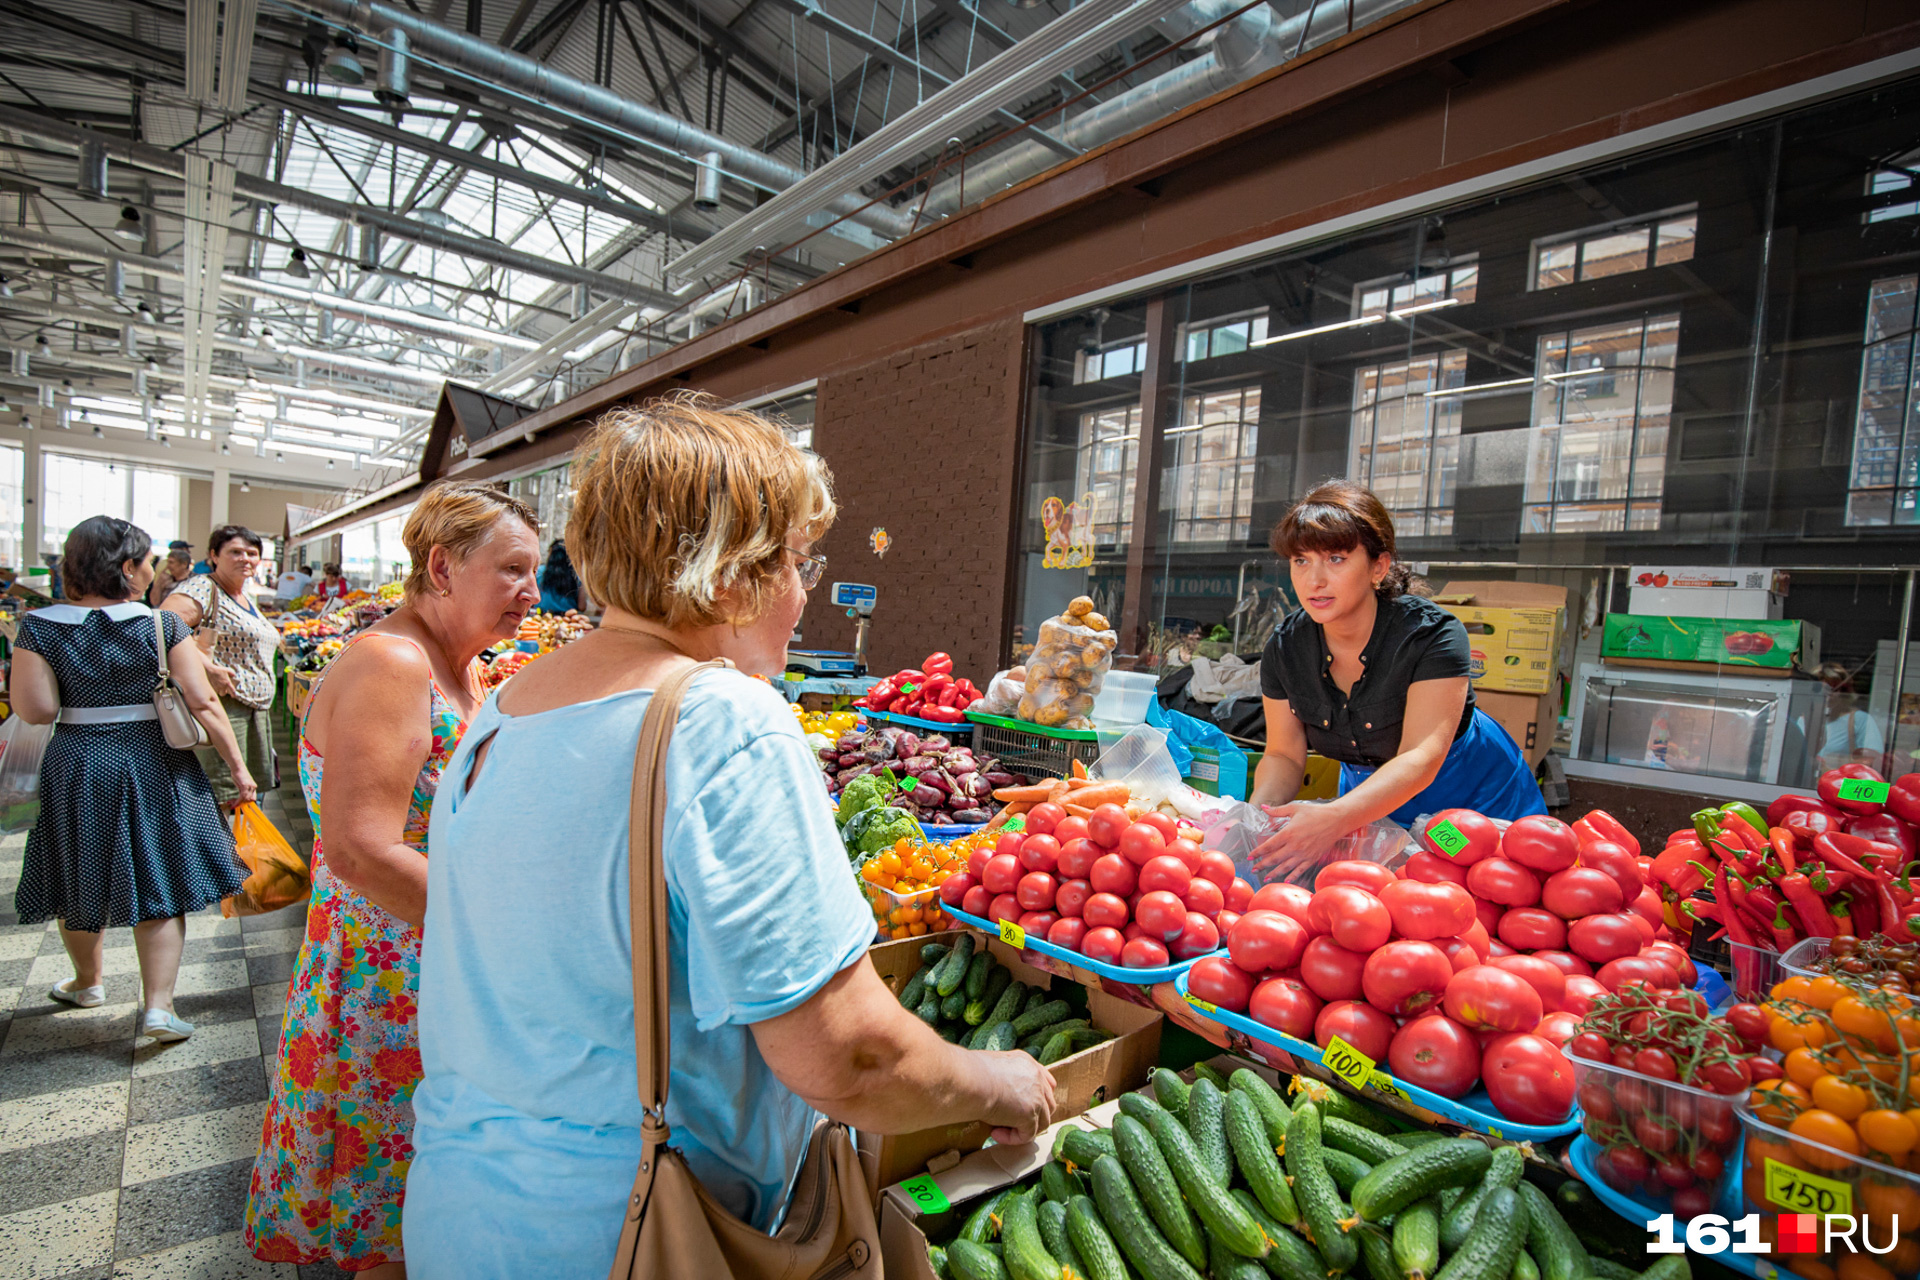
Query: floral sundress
point(331, 1175)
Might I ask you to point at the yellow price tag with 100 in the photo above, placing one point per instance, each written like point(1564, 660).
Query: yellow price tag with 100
point(1347, 1062)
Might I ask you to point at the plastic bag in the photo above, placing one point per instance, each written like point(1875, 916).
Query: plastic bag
point(21, 747)
point(277, 875)
point(1141, 758)
point(1185, 731)
point(1066, 668)
point(1004, 692)
point(1242, 828)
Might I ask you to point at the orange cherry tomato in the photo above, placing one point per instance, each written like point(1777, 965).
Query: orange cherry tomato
point(1825, 992)
point(1803, 1068)
point(1888, 1132)
point(1846, 1100)
point(1835, 1139)
point(1778, 1101)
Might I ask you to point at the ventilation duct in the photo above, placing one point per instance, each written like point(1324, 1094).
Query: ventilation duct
point(366, 247)
point(116, 278)
point(93, 171)
point(394, 79)
point(706, 182)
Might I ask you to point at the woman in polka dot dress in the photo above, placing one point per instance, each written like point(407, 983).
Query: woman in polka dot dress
point(128, 832)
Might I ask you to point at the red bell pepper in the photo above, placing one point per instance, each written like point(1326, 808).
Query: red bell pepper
point(1903, 801)
point(909, 676)
point(938, 664)
point(1887, 829)
point(1828, 788)
point(944, 715)
point(881, 696)
point(1678, 866)
point(1598, 824)
point(1778, 811)
point(1865, 910)
point(933, 686)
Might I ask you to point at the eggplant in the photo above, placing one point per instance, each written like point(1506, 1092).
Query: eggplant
point(970, 817)
point(924, 795)
point(998, 779)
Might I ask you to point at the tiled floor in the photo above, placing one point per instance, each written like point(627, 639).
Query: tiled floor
point(119, 1156)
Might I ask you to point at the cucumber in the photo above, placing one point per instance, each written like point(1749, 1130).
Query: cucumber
point(1291, 1257)
point(1081, 1147)
point(977, 1038)
point(1225, 1264)
point(1126, 1217)
point(1376, 1253)
point(970, 1261)
point(952, 971)
point(1504, 1170)
point(1038, 1016)
point(1550, 1240)
point(979, 969)
point(950, 1032)
point(1053, 1234)
point(1333, 1103)
point(1416, 1239)
point(1407, 1177)
point(1036, 996)
point(1489, 1249)
point(1259, 1166)
point(1417, 1138)
point(932, 953)
point(1608, 1269)
point(1202, 1071)
point(1056, 1184)
point(1037, 1040)
point(929, 1010)
point(1099, 1255)
point(1008, 1006)
point(1345, 1168)
point(1026, 1254)
point(937, 1261)
point(1171, 1092)
point(978, 1007)
point(1344, 1135)
point(1313, 1188)
point(1450, 1196)
point(1671, 1267)
point(1273, 1110)
point(1147, 1167)
point(1140, 1106)
point(1225, 1219)
point(1524, 1267)
point(1207, 1124)
point(1000, 1038)
point(916, 988)
point(953, 1005)
point(1064, 1044)
point(983, 1224)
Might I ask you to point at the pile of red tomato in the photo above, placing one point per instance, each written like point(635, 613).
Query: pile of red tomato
point(1139, 893)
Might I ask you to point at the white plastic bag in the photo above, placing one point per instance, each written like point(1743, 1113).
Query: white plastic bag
point(1245, 827)
point(1139, 758)
point(21, 747)
point(1004, 692)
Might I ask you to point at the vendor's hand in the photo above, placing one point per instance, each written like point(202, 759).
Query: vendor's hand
point(222, 680)
point(1310, 831)
point(1022, 1093)
point(244, 783)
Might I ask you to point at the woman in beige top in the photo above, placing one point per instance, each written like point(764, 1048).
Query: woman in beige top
point(239, 643)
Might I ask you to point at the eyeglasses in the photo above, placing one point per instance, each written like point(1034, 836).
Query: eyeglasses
point(811, 568)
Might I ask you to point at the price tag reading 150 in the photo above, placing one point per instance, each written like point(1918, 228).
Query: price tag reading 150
point(1347, 1062)
point(1797, 1191)
point(1447, 838)
point(1864, 789)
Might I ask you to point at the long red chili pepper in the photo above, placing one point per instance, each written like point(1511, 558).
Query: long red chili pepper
point(1829, 849)
point(1865, 910)
point(1781, 841)
point(1807, 904)
point(1888, 909)
point(1736, 927)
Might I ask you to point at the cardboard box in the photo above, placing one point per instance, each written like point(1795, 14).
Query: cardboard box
point(1751, 644)
point(1079, 1082)
point(1516, 629)
point(1530, 719)
point(1707, 591)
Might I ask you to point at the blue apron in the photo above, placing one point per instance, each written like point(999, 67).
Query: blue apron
point(1484, 771)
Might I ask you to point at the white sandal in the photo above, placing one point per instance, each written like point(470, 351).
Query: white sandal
point(81, 997)
point(164, 1026)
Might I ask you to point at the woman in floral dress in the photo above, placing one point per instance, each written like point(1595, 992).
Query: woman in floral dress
point(334, 1150)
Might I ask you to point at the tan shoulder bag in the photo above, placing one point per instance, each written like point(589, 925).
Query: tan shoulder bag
point(181, 728)
point(673, 1228)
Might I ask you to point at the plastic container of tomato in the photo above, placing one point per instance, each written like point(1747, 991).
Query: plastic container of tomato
point(1062, 956)
point(1475, 1111)
point(1755, 970)
point(1642, 1127)
point(1800, 958)
point(1784, 1174)
point(896, 912)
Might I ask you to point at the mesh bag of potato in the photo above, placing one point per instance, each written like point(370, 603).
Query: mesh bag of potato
point(1072, 657)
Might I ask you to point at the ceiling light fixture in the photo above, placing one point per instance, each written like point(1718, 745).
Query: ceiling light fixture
point(1357, 323)
point(341, 66)
point(245, 487)
point(1417, 308)
point(297, 265)
point(130, 227)
point(6, 287)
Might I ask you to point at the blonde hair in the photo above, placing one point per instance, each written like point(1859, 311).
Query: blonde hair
point(683, 499)
point(460, 517)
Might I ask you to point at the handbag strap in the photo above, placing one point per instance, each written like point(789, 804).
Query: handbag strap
point(160, 643)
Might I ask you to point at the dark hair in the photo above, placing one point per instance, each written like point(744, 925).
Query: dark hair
point(305, 567)
point(1340, 515)
point(180, 544)
point(94, 561)
point(233, 532)
point(559, 577)
point(331, 570)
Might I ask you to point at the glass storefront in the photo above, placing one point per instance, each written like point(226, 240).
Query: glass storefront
point(1704, 355)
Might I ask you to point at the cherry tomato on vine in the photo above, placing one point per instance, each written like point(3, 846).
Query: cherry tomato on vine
point(1657, 1063)
point(1592, 1046)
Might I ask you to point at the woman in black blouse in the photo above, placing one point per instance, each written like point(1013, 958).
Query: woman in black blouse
point(1377, 679)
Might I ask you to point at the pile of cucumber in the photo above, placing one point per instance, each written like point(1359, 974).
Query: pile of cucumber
point(1222, 1180)
point(970, 998)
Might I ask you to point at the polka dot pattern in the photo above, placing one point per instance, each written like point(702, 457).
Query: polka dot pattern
point(128, 828)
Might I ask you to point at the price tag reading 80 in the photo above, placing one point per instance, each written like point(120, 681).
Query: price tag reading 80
point(1347, 1062)
point(1865, 790)
point(1013, 935)
point(1447, 838)
point(926, 1194)
point(1797, 1191)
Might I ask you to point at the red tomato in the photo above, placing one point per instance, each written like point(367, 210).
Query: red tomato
point(1543, 843)
point(1239, 896)
point(1077, 858)
point(1483, 838)
point(1604, 855)
point(1103, 944)
point(1542, 975)
point(1165, 872)
point(1161, 914)
point(1219, 981)
point(1598, 939)
point(1266, 940)
point(1002, 873)
point(1357, 920)
point(1488, 998)
point(1647, 907)
point(1169, 829)
point(1370, 876)
point(1489, 913)
point(1558, 1029)
point(1104, 910)
point(1581, 993)
point(1503, 881)
point(1038, 923)
point(1332, 972)
point(1197, 939)
point(1581, 891)
point(1649, 933)
point(1437, 1054)
point(1434, 868)
point(1004, 907)
point(977, 860)
point(1218, 867)
point(1566, 962)
point(1497, 948)
point(1189, 854)
point(1035, 891)
point(1615, 974)
point(1144, 953)
point(1106, 823)
point(1286, 1005)
point(1532, 929)
point(1113, 874)
point(1476, 937)
point(1044, 817)
point(1460, 953)
point(1428, 910)
point(1071, 827)
point(977, 902)
point(1683, 966)
point(1040, 853)
point(1141, 843)
point(1205, 897)
point(1009, 843)
point(1359, 1024)
point(1529, 1080)
point(1225, 921)
point(1288, 899)
point(1071, 898)
point(1405, 978)
point(953, 890)
point(1133, 930)
point(1067, 932)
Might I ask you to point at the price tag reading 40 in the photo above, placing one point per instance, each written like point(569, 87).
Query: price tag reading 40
point(1013, 935)
point(1347, 1062)
point(1797, 1191)
point(1864, 789)
point(1447, 838)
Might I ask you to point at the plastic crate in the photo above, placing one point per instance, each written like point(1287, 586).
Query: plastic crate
point(1617, 1106)
point(1027, 748)
point(1871, 1193)
point(960, 735)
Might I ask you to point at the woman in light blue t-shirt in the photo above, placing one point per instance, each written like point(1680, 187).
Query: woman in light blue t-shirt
point(693, 523)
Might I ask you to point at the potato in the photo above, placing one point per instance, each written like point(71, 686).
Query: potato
point(1050, 716)
point(1097, 621)
point(1080, 606)
point(1080, 704)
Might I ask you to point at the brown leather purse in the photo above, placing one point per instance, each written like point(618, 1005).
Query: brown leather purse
point(673, 1228)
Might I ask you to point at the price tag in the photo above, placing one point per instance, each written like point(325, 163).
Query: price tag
point(1200, 1004)
point(1384, 1083)
point(1447, 838)
point(1864, 789)
point(1797, 1191)
point(1013, 935)
point(1347, 1062)
point(926, 1194)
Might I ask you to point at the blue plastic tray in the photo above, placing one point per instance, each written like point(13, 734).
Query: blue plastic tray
point(949, 831)
point(1475, 1111)
point(914, 722)
point(1111, 972)
point(1731, 1205)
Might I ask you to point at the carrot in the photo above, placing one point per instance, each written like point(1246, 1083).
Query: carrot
point(1092, 797)
point(1080, 770)
point(1057, 791)
point(1032, 794)
point(1077, 811)
point(1013, 810)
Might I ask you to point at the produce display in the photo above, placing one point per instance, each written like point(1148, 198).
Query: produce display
point(928, 692)
point(901, 883)
point(1067, 666)
point(971, 998)
point(927, 778)
point(311, 643)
